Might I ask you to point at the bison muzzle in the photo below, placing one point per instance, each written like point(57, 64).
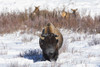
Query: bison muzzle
point(50, 42)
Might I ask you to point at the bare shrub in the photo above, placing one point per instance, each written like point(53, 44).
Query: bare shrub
point(98, 29)
point(27, 39)
point(10, 22)
point(3, 52)
point(3, 49)
point(16, 64)
point(94, 41)
point(63, 49)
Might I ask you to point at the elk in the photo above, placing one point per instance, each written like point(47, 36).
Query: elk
point(74, 11)
point(50, 42)
point(68, 14)
point(65, 15)
point(35, 12)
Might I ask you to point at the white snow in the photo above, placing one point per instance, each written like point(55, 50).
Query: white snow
point(79, 52)
point(85, 7)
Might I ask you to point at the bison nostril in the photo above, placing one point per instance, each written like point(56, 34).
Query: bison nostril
point(50, 53)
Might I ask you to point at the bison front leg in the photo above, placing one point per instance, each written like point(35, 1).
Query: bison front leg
point(56, 55)
point(45, 56)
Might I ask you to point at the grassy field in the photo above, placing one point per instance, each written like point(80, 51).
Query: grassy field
point(29, 22)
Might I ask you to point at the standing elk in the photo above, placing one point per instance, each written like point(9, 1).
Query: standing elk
point(74, 11)
point(35, 12)
point(67, 14)
point(50, 42)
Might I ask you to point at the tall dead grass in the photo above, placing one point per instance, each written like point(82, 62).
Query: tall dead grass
point(10, 22)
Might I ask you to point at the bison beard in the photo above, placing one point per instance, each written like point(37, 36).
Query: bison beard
point(52, 57)
point(49, 47)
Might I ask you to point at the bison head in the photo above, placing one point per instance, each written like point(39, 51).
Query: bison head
point(48, 44)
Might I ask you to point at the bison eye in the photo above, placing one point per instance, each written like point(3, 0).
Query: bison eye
point(57, 41)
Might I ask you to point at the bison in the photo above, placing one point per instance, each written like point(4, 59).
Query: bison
point(50, 42)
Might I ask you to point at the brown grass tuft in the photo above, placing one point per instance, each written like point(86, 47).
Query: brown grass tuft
point(10, 22)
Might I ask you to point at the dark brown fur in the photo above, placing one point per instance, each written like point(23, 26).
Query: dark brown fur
point(50, 42)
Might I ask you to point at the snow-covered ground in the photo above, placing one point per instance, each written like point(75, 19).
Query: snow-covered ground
point(22, 50)
point(78, 50)
point(84, 6)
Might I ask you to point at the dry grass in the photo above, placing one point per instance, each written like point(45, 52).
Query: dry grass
point(63, 49)
point(94, 41)
point(16, 64)
point(10, 22)
point(3, 49)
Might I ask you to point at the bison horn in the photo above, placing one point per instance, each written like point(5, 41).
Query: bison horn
point(41, 37)
point(44, 35)
point(56, 36)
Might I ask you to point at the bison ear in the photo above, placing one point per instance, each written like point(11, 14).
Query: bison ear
point(56, 36)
